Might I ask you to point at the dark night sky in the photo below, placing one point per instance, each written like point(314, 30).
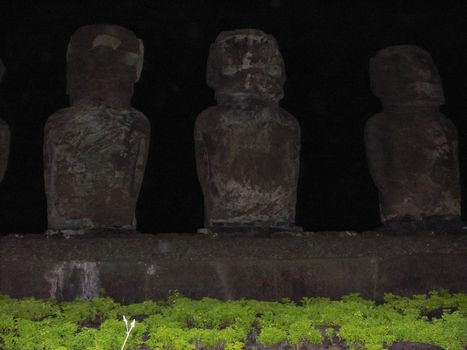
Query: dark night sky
point(326, 46)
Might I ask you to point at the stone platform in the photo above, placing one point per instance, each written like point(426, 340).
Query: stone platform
point(135, 267)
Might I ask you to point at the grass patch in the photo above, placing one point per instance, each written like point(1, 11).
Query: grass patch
point(179, 323)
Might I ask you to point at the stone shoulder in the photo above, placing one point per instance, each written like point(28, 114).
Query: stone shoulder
point(58, 117)
point(375, 119)
point(289, 118)
point(380, 123)
point(66, 113)
point(208, 117)
point(142, 118)
point(211, 115)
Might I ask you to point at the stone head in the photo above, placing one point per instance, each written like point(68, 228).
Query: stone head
point(2, 70)
point(246, 61)
point(103, 58)
point(405, 75)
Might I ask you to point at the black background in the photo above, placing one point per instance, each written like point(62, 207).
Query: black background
point(326, 46)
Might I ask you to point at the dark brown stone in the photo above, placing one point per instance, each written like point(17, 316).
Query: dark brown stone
point(247, 147)
point(417, 273)
point(95, 151)
point(412, 147)
point(4, 136)
point(136, 267)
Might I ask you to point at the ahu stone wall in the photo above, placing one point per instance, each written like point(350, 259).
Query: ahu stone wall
point(247, 159)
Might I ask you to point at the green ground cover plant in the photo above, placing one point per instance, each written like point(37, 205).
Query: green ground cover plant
point(179, 323)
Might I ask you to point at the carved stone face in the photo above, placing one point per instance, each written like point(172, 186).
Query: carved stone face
point(404, 75)
point(2, 70)
point(103, 57)
point(246, 61)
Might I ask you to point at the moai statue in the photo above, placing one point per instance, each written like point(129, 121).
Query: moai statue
point(411, 147)
point(247, 147)
point(4, 136)
point(95, 151)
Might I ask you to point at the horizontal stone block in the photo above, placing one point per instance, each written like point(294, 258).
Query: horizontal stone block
point(132, 268)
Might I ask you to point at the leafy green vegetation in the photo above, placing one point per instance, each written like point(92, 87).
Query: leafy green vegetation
point(179, 323)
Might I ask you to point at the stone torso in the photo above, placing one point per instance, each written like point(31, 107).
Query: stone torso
point(94, 165)
point(412, 156)
point(248, 165)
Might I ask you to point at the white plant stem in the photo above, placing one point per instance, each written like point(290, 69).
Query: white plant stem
point(128, 331)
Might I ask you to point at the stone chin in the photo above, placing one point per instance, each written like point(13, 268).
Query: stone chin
point(413, 93)
point(427, 91)
point(254, 84)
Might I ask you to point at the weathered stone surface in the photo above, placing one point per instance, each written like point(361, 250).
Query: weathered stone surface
point(136, 267)
point(420, 271)
point(4, 136)
point(247, 147)
point(95, 151)
point(412, 147)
